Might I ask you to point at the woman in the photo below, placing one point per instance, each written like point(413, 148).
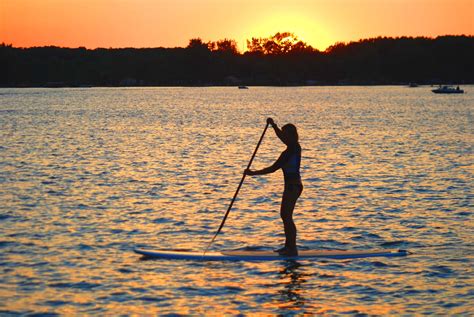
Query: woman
point(289, 161)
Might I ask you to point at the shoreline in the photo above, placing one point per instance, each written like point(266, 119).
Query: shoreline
point(249, 85)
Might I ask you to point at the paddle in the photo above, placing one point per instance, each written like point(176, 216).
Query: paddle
point(237, 191)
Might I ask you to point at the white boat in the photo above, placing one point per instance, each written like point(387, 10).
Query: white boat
point(448, 90)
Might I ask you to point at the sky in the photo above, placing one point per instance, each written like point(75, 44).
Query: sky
point(172, 23)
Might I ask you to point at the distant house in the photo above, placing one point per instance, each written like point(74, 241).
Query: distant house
point(232, 80)
point(54, 84)
point(128, 82)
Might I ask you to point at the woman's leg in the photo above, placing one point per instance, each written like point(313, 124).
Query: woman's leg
point(290, 196)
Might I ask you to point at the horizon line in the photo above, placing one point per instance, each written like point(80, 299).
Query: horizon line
point(242, 52)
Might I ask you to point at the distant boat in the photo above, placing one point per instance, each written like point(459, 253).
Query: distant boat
point(448, 90)
point(243, 87)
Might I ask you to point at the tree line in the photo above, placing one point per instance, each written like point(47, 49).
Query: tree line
point(281, 59)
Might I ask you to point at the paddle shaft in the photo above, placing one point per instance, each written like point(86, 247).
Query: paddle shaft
point(238, 189)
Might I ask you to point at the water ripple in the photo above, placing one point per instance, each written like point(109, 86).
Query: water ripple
point(88, 174)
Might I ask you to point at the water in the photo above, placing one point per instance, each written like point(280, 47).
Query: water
point(86, 175)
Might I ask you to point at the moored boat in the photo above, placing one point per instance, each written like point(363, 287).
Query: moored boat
point(448, 90)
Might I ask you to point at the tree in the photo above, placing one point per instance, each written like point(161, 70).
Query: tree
point(225, 45)
point(278, 60)
point(197, 44)
point(278, 44)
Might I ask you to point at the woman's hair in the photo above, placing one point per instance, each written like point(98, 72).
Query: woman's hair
point(291, 132)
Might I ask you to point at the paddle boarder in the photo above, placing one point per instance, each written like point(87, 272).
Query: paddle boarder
point(289, 161)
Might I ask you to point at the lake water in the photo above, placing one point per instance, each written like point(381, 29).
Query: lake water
point(88, 174)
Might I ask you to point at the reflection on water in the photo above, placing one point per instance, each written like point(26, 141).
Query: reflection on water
point(292, 279)
point(86, 175)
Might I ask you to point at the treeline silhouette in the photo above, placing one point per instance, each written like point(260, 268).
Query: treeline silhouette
point(281, 59)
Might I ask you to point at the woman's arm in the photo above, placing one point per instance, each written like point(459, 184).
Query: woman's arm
point(278, 131)
point(274, 167)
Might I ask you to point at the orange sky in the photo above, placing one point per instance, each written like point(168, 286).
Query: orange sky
point(171, 23)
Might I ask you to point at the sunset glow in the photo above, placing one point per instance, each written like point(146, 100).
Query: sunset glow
point(166, 23)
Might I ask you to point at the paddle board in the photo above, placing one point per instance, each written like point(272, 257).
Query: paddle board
point(255, 255)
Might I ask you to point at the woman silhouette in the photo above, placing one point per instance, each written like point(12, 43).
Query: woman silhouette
point(289, 161)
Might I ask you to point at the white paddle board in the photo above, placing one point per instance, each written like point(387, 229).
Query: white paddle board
point(255, 255)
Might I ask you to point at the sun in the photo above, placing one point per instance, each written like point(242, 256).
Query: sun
point(306, 28)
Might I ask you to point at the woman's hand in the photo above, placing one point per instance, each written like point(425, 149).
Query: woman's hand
point(270, 121)
point(249, 172)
